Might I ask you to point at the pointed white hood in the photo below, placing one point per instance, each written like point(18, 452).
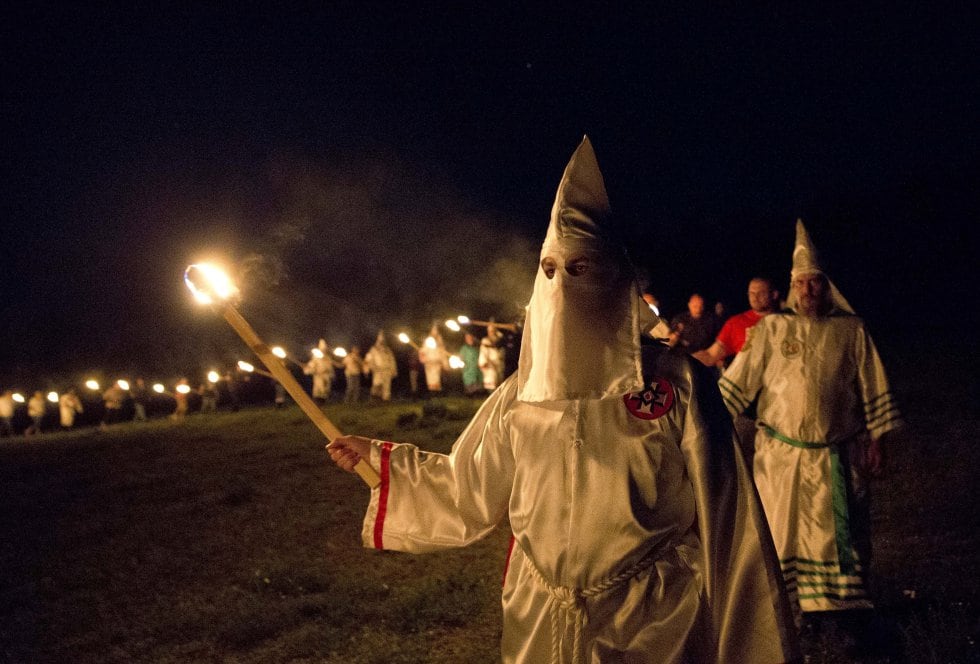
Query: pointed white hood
point(582, 333)
point(807, 261)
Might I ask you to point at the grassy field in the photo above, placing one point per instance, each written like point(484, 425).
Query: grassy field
point(229, 538)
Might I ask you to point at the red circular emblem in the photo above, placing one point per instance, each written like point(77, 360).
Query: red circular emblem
point(652, 402)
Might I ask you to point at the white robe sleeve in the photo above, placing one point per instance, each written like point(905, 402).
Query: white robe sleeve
point(880, 410)
point(742, 380)
point(430, 501)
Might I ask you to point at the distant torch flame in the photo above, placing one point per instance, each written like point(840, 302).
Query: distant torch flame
point(92, 384)
point(158, 388)
point(245, 366)
point(18, 397)
point(430, 342)
point(339, 352)
point(124, 384)
point(213, 377)
point(183, 388)
point(279, 352)
point(463, 320)
point(209, 283)
point(402, 337)
point(452, 325)
point(317, 353)
point(456, 362)
point(53, 397)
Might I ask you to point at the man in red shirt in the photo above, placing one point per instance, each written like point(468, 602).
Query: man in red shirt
point(763, 299)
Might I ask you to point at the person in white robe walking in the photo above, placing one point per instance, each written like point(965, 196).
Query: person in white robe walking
point(637, 536)
point(380, 363)
point(824, 404)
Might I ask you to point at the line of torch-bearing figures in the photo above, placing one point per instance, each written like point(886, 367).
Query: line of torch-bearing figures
point(481, 364)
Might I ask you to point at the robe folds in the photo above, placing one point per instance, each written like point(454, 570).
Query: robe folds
point(822, 392)
point(638, 536)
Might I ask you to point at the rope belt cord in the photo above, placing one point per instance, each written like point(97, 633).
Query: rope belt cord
point(569, 603)
point(842, 517)
point(795, 443)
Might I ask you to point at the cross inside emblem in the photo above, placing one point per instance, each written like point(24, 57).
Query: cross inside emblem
point(653, 402)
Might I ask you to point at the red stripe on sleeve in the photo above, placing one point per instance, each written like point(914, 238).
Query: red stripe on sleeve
point(379, 521)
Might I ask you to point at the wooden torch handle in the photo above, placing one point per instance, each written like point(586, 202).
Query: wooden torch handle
point(295, 390)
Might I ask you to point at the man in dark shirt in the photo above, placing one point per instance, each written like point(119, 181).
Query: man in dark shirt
point(693, 330)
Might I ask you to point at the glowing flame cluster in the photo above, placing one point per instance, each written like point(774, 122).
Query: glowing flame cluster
point(340, 352)
point(209, 283)
point(456, 362)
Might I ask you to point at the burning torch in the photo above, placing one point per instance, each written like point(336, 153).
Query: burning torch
point(405, 339)
point(466, 320)
point(210, 285)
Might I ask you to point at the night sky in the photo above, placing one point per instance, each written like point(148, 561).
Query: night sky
point(362, 166)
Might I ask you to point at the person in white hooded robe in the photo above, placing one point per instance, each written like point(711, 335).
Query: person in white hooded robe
point(491, 358)
point(69, 405)
point(380, 362)
point(637, 535)
point(321, 367)
point(434, 359)
point(824, 404)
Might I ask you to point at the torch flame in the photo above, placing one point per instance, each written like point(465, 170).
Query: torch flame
point(183, 388)
point(339, 352)
point(124, 384)
point(18, 397)
point(245, 366)
point(430, 342)
point(463, 320)
point(453, 325)
point(53, 397)
point(402, 337)
point(317, 353)
point(456, 362)
point(158, 388)
point(279, 352)
point(213, 377)
point(208, 283)
point(92, 384)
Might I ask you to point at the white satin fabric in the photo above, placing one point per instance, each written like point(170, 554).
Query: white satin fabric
point(322, 370)
point(582, 332)
point(581, 335)
point(817, 379)
point(637, 539)
point(820, 382)
point(381, 360)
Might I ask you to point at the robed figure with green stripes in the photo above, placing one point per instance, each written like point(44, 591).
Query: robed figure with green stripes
point(823, 405)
